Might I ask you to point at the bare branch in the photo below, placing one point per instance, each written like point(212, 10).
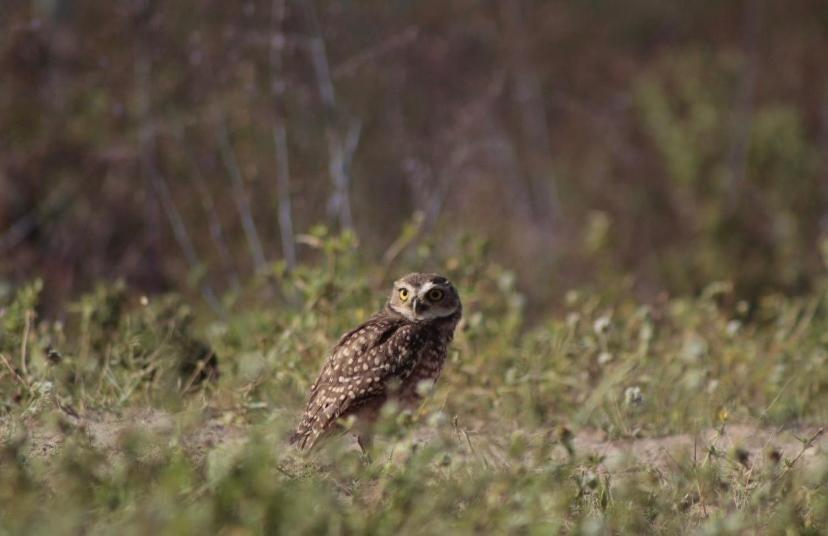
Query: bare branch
point(744, 102)
point(431, 188)
point(539, 185)
point(240, 196)
point(210, 209)
point(410, 235)
point(280, 139)
point(351, 65)
point(806, 444)
point(18, 232)
point(823, 143)
point(182, 236)
point(351, 143)
point(338, 159)
point(433, 191)
point(147, 140)
point(17, 377)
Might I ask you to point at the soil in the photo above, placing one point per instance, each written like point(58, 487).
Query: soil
point(751, 446)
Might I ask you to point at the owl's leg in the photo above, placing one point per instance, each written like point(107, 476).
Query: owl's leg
point(366, 444)
point(364, 426)
point(365, 439)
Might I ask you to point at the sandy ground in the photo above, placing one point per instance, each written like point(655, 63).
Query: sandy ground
point(44, 434)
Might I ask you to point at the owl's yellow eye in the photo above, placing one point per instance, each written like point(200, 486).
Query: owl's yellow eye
point(435, 294)
point(403, 294)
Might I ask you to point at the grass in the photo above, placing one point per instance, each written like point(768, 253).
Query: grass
point(698, 415)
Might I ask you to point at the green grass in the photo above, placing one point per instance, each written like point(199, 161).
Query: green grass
point(539, 425)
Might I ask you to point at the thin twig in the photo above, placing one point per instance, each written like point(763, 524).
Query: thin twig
point(806, 444)
point(432, 189)
point(159, 183)
point(744, 104)
point(474, 451)
point(182, 236)
point(764, 413)
point(217, 232)
point(280, 138)
point(14, 373)
point(411, 233)
point(199, 368)
point(351, 65)
point(240, 195)
point(60, 196)
point(351, 143)
point(18, 232)
point(540, 191)
point(24, 367)
point(338, 159)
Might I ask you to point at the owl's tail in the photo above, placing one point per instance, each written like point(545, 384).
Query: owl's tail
point(307, 432)
point(302, 438)
point(311, 430)
point(317, 422)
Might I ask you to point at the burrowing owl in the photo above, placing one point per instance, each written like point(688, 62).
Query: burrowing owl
point(385, 358)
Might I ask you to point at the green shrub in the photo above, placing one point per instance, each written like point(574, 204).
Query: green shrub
point(105, 431)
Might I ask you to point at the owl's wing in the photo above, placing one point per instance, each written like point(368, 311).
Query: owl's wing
point(358, 369)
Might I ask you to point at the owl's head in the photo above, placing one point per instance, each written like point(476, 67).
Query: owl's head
point(421, 297)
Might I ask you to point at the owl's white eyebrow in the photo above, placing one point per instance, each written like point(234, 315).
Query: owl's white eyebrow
point(425, 288)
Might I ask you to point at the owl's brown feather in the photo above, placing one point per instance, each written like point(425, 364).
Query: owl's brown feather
point(387, 352)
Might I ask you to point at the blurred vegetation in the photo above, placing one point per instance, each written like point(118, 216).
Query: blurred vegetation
point(198, 198)
point(183, 145)
point(498, 454)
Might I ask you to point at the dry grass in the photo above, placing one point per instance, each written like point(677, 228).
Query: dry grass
point(689, 415)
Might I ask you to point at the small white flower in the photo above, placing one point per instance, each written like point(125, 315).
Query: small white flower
point(438, 418)
point(601, 326)
point(694, 348)
point(733, 327)
point(633, 396)
point(589, 480)
point(604, 358)
point(424, 387)
point(646, 333)
point(43, 388)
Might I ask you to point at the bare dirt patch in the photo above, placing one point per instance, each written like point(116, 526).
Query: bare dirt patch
point(43, 435)
point(748, 445)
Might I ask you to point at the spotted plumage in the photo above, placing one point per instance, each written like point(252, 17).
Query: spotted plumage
point(387, 357)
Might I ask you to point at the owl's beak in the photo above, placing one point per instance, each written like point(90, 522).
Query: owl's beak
point(418, 306)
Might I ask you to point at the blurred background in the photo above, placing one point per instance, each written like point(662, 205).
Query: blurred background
point(185, 145)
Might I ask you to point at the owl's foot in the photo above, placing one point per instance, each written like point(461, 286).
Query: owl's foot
point(366, 443)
